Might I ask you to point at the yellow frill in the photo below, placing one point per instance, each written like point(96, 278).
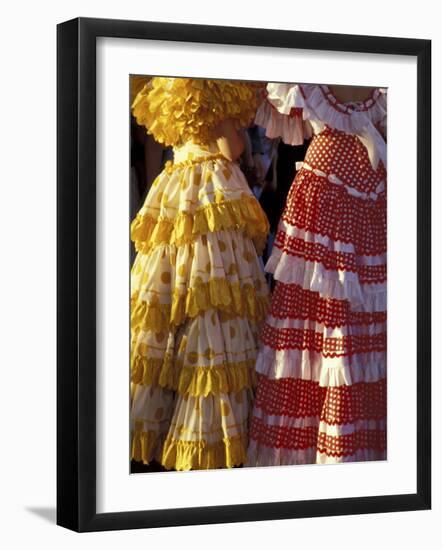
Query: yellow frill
point(145, 445)
point(199, 455)
point(177, 110)
point(154, 371)
point(233, 299)
point(194, 380)
point(188, 455)
point(149, 316)
point(245, 213)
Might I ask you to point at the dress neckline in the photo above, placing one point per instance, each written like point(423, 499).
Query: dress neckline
point(349, 107)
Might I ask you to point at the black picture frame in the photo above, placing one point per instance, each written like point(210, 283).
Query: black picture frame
point(76, 274)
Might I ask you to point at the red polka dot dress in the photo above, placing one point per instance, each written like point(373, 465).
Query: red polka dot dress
point(321, 394)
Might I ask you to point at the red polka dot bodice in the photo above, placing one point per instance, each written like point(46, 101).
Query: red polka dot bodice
point(344, 156)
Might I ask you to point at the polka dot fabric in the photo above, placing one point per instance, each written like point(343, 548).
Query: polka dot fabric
point(287, 338)
point(344, 156)
point(321, 394)
point(291, 301)
point(336, 448)
point(317, 205)
point(299, 398)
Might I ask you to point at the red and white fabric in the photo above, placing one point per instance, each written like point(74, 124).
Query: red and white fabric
point(321, 395)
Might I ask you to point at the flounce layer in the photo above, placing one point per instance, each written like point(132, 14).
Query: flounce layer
point(187, 455)
point(244, 213)
point(317, 206)
point(291, 302)
point(262, 455)
point(204, 432)
point(219, 270)
point(196, 198)
point(151, 410)
point(336, 411)
point(208, 354)
point(283, 441)
point(312, 365)
point(338, 285)
point(194, 380)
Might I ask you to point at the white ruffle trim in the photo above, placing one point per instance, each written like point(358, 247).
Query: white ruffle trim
point(340, 285)
point(328, 371)
point(318, 110)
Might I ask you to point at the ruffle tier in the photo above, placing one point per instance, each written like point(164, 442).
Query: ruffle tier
point(220, 270)
point(194, 380)
point(198, 197)
point(309, 334)
point(337, 285)
point(202, 431)
point(312, 365)
point(338, 410)
point(260, 455)
point(207, 355)
point(243, 213)
point(316, 205)
point(331, 242)
point(283, 440)
point(291, 302)
point(188, 455)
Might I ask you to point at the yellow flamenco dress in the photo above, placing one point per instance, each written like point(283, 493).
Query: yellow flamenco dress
point(197, 288)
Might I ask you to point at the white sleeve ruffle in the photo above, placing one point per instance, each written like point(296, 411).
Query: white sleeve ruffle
point(281, 114)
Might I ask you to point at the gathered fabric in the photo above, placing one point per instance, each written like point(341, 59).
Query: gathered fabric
point(181, 110)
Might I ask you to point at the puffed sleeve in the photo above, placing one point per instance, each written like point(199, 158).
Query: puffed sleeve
point(176, 110)
point(281, 113)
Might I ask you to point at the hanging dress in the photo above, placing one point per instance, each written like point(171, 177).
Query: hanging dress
point(321, 393)
point(197, 288)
